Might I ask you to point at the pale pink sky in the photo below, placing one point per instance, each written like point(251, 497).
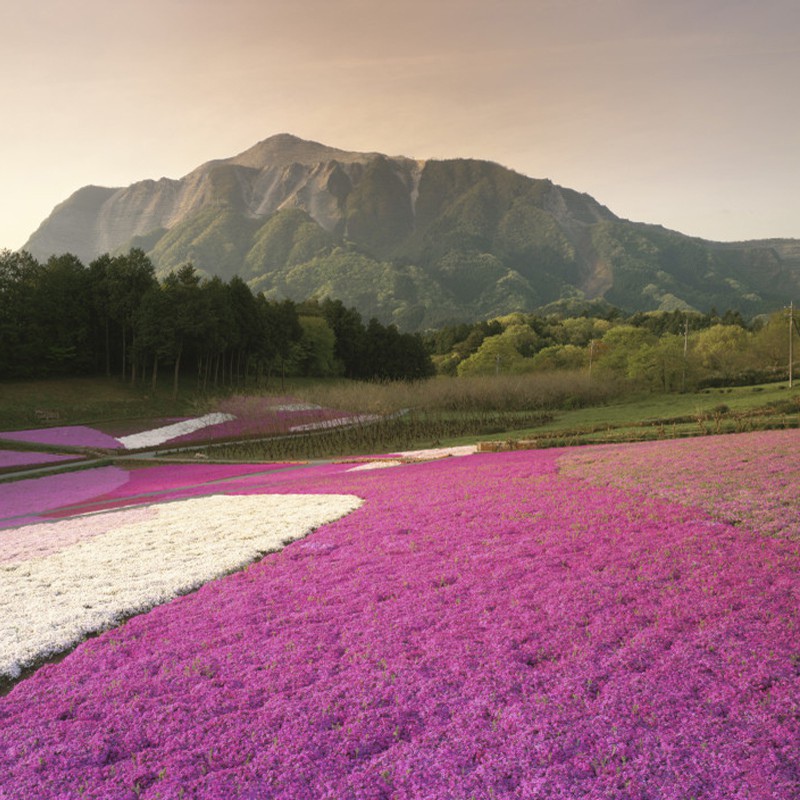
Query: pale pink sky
point(682, 113)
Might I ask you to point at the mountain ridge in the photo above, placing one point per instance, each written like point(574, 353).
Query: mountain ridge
point(415, 242)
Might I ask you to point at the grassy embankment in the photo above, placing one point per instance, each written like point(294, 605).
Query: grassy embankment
point(85, 401)
point(541, 411)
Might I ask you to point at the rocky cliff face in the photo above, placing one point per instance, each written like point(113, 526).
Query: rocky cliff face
point(347, 193)
point(279, 173)
point(412, 242)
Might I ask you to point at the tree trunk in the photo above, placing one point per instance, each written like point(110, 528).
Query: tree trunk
point(124, 351)
point(175, 375)
point(155, 372)
point(108, 352)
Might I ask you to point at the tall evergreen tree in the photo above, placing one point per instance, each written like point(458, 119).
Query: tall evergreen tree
point(129, 278)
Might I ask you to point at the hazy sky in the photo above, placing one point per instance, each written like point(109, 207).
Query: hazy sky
point(678, 112)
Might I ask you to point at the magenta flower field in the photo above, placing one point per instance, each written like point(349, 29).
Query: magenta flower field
point(22, 502)
point(18, 458)
point(237, 417)
point(69, 436)
point(605, 622)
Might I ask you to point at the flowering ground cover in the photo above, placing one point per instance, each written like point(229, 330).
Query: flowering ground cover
point(71, 493)
point(743, 479)
point(238, 416)
point(22, 502)
point(38, 540)
point(167, 433)
point(273, 416)
point(125, 562)
point(492, 626)
point(68, 436)
point(247, 480)
point(19, 458)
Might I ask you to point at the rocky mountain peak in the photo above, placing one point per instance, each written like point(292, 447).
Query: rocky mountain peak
point(284, 149)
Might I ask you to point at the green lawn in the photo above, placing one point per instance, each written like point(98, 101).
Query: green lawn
point(668, 415)
point(84, 401)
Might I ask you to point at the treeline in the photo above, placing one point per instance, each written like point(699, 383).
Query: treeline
point(662, 351)
point(114, 317)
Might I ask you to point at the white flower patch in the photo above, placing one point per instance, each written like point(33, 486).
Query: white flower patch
point(50, 604)
point(375, 465)
point(43, 539)
point(440, 452)
point(158, 436)
point(418, 455)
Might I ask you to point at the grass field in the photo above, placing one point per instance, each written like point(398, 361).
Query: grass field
point(544, 411)
point(732, 410)
point(83, 401)
point(539, 420)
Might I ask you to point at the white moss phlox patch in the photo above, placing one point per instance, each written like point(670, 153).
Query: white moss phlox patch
point(158, 436)
point(440, 452)
point(51, 603)
point(367, 465)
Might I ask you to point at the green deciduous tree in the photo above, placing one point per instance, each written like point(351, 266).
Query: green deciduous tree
point(316, 348)
point(559, 356)
point(618, 349)
point(350, 334)
point(495, 355)
point(722, 350)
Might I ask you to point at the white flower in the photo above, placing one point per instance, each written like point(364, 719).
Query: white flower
point(158, 436)
point(51, 603)
point(439, 452)
point(375, 465)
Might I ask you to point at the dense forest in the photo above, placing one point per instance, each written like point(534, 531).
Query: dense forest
point(114, 317)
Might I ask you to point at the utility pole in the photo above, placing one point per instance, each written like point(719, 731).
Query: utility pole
point(791, 340)
point(685, 351)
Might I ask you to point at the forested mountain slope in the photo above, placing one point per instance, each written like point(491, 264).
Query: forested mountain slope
point(417, 243)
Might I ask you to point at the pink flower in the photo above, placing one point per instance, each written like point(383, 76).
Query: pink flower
point(487, 626)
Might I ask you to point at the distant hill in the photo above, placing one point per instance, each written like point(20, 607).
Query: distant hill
point(418, 243)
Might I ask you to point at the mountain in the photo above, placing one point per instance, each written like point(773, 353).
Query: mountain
point(418, 243)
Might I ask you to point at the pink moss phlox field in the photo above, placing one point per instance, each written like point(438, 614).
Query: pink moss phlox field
point(69, 436)
point(59, 496)
point(747, 478)
point(267, 478)
point(168, 476)
point(70, 494)
point(482, 627)
point(179, 481)
point(30, 500)
point(265, 416)
point(18, 458)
